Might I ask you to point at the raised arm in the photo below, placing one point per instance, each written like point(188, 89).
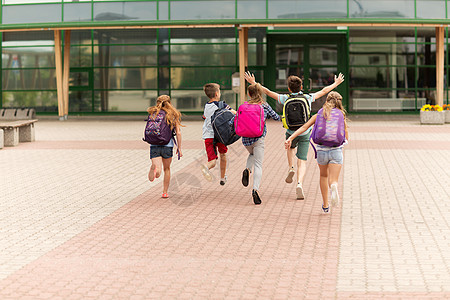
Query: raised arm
point(250, 77)
point(337, 81)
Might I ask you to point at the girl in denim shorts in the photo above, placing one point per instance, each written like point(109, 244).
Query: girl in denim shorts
point(162, 155)
point(329, 159)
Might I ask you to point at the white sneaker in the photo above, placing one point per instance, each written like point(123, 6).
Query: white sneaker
point(290, 175)
point(206, 173)
point(334, 195)
point(223, 180)
point(299, 190)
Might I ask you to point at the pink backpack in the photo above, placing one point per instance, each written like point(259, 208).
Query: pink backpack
point(249, 120)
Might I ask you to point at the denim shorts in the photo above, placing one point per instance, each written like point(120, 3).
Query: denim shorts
point(163, 151)
point(332, 156)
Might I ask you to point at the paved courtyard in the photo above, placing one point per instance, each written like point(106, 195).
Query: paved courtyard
point(80, 220)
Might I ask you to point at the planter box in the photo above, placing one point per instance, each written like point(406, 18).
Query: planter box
point(432, 117)
point(447, 116)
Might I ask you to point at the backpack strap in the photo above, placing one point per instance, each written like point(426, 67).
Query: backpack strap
point(314, 148)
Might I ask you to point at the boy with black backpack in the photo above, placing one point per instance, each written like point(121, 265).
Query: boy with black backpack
point(296, 112)
point(212, 145)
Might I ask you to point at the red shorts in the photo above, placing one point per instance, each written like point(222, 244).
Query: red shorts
point(211, 151)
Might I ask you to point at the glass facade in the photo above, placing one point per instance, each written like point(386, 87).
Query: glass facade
point(124, 70)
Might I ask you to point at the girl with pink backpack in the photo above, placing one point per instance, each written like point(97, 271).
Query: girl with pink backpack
point(330, 135)
point(250, 123)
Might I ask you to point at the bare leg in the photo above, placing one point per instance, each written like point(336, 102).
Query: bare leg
point(166, 165)
point(301, 170)
point(156, 165)
point(223, 164)
point(290, 156)
point(211, 164)
point(334, 169)
point(324, 184)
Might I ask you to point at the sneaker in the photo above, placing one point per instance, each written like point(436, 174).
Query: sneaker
point(223, 180)
point(326, 210)
point(245, 176)
point(256, 198)
point(290, 175)
point(334, 195)
point(206, 173)
point(165, 195)
point(299, 190)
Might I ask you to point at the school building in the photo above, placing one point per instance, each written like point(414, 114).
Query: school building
point(67, 57)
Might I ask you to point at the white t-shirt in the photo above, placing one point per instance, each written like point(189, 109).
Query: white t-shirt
point(210, 108)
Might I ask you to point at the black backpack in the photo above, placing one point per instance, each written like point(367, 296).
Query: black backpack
point(220, 121)
point(296, 112)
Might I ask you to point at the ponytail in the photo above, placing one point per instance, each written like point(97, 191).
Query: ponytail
point(334, 100)
point(255, 93)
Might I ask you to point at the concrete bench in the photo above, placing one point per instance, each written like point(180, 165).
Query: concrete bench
point(17, 131)
point(17, 114)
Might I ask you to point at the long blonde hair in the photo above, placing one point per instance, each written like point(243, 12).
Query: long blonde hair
point(255, 93)
point(334, 100)
point(173, 116)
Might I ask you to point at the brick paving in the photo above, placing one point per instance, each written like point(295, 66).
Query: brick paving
point(80, 220)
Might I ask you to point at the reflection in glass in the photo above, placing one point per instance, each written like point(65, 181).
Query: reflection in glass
point(80, 56)
point(382, 77)
point(38, 13)
point(125, 78)
point(321, 77)
point(289, 54)
point(195, 100)
point(430, 9)
point(77, 12)
point(305, 9)
point(125, 56)
point(196, 10)
point(257, 55)
point(198, 55)
point(323, 55)
point(79, 79)
point(135, 101)
point(28, 57)
point(382, 54)
point(41, 101)
point(426, 77)
point(381, 9)
point(251, 9)
point(185, 78)
point(203, 35)
point(163, 10)
point(121, 11)
point(80, 101)
point(128, 36)
point(28, 79)
point(283, 73)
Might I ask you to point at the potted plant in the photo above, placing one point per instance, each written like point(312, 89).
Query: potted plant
point(446, 109)
point(432, 114)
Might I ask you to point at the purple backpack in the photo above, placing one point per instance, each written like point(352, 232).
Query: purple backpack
point(157, 131)
point(329, 132)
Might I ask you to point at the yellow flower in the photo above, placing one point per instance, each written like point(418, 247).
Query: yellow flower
point(426, 107)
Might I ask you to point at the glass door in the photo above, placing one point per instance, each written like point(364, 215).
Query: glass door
point(80, 90)
point(315, 59)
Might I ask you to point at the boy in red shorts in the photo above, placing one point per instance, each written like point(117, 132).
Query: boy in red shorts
point(212, 90)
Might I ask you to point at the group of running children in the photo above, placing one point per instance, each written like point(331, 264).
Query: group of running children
point(222, 126)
